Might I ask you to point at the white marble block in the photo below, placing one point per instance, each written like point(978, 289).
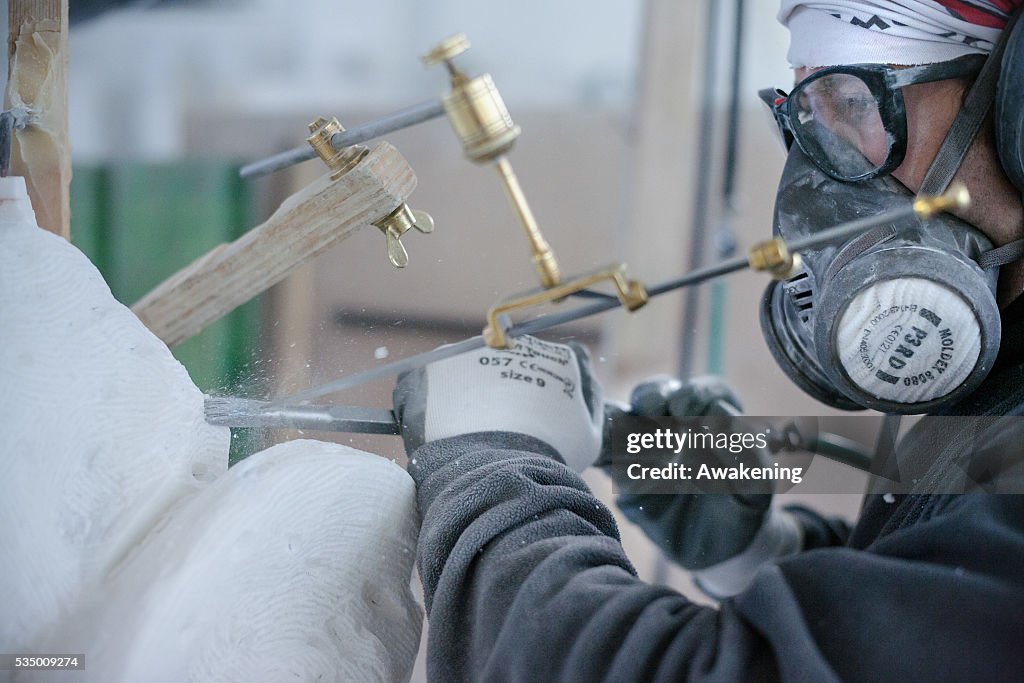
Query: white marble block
point(126, 537)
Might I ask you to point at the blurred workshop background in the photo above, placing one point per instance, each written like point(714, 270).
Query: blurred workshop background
point(643, 140)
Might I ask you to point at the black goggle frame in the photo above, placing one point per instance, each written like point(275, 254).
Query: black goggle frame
point(885, 84)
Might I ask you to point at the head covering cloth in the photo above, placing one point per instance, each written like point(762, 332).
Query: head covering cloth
point(904, 32)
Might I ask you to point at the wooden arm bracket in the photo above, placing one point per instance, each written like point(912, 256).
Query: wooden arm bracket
point(305, 225)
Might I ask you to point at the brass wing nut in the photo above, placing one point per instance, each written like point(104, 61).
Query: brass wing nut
point(396, 224)
point(773, 256)
point(340, 161)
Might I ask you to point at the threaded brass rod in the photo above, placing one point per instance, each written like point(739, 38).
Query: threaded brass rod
point(543, 258)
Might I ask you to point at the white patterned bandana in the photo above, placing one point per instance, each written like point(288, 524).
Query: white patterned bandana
point(905, 32)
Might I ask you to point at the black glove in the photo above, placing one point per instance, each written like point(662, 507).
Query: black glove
point(696, 530)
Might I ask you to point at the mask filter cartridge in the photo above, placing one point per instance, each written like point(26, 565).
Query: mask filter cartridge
point(900, 319)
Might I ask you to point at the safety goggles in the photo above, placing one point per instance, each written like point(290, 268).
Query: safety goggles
point(850, 120)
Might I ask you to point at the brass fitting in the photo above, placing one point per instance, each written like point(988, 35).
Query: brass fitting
point(474, 106)
point(340, 161)
point(631, 295)
point(772, 256)
point(480, 119)
point(956, 197)
point(396, 224)
point(485, 129)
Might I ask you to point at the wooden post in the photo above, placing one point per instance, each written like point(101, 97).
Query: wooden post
point(37, 58)
point(307, 223)
point(661, 181)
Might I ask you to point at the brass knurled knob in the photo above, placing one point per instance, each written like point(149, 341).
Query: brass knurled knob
point(340, 161)
point(446, 50)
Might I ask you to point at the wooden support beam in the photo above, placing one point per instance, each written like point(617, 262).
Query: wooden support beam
point(660, 191)
point(307, 223)
point(37, 51)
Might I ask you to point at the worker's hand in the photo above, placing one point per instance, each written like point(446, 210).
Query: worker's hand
point(535, 387)
point(664, 396)
point(721, 537)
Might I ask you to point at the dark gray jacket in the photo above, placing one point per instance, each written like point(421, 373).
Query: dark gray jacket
point(525, 579)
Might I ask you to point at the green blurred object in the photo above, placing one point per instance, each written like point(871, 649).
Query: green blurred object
point(142, 223)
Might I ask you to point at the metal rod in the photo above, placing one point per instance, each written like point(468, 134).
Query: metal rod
point(277, 162)
point(547, 322)
point(6, 140)
point(529, 327)
point(253, 413)
point(16, 118)
point(410, 116)
point(395, 368)
point(851, 228)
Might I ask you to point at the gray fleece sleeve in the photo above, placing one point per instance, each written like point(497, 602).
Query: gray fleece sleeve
point(525, 579)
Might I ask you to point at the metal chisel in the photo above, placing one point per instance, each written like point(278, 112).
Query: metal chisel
point(231, 411)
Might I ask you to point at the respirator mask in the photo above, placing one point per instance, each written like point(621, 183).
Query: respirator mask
point(902, 318)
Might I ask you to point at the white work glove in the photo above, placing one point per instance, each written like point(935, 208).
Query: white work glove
point(538, 388)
